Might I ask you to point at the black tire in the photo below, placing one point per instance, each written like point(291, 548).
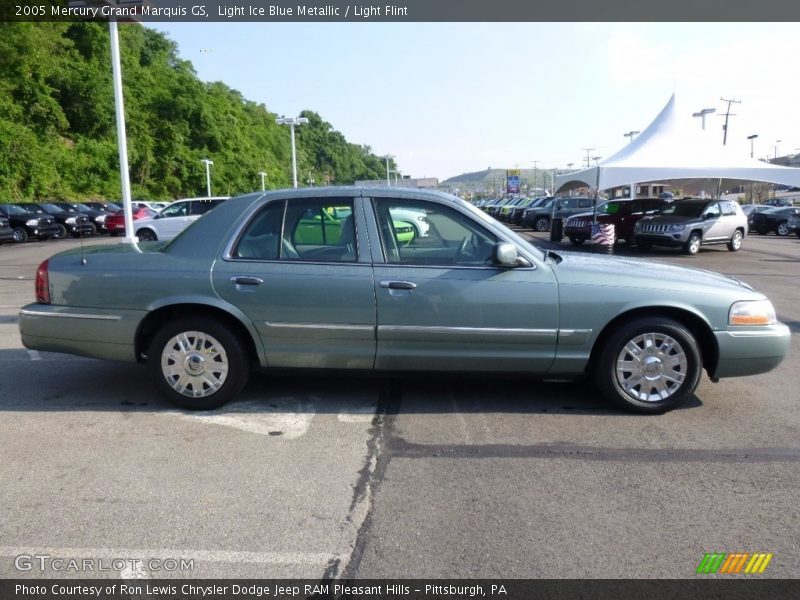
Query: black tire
point(94, 229)
point(62, 232)
point(670, 340)
point(542, 224)
point(217, 345)
point(642, 246)
point(20, 235)
point(576, 240)
point(782, 229)
point(692, 245)
point(147, 235)
point(735, 243)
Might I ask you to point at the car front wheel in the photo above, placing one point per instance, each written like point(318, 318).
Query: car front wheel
point(198, 363)
point(20, 235)
point(692, 245)
point(736, 241)
point(542, 224)
point(649, 365)
point(62, 232)
point(783, 228)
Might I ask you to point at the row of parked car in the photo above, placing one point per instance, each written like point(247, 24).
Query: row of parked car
point(55, 220)
point(645, 222)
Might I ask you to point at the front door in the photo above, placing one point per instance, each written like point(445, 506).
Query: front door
point(443, 304)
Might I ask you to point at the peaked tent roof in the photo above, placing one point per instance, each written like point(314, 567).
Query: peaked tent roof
point(674, 147)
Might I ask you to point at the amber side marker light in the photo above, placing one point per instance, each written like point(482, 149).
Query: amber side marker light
point(43, 284)
point(752, 312)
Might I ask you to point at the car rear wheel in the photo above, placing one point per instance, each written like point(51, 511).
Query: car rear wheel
point(147, 235)
point(783, 228)
point(542, 224)
point(576, 240)
point(649, 365)
point(20, 235)
point(736, 241)
point(198, 363)
point(692, 245)
point(61, 233)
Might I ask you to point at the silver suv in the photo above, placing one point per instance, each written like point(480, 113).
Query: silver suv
point(692, 222)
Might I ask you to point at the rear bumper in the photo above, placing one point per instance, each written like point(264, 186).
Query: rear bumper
point(750, 351)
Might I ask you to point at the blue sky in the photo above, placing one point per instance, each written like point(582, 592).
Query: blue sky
point(447, 98)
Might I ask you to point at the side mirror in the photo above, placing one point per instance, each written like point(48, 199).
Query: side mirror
point(506, 255)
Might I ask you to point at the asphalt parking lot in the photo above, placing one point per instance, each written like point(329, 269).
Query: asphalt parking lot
point(386, 477)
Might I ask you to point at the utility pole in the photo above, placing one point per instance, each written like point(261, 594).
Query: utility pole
point(727, 114)
point(535, 164)
point(588, 156)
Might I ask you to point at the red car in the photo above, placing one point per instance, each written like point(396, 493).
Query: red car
point(116, 223)
point(622, 213)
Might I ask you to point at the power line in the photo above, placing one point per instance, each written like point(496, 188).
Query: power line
point(727, 114)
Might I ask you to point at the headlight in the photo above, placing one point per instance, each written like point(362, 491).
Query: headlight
point(676, 228)
point(752, 312)
point(70, 221)
point(101, 218)
point(32, 222)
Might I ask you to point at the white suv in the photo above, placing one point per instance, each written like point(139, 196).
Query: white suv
point(174, 218)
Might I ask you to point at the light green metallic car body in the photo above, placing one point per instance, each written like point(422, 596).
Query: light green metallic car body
point(544, 317)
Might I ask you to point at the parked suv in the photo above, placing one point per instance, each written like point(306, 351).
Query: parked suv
point(621, 213)
point(689, 223)
point(67, 221)
point(539, 217)
point(173, 219)
point(774, 219)
point(26, 224)
point(794, 225)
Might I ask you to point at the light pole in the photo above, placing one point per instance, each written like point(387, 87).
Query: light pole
point(291, 122)
point(387, 157)
point(751, 138)
point(535, 165)
point(596, 159)
point(208, 164)
point(631, 134)
point(702, 114)
point(776, 147)
point(263, 180)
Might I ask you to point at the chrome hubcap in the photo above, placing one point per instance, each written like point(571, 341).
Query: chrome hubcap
point(651, 367)
point(783, 229)
point(737, 239)
point(194, 364)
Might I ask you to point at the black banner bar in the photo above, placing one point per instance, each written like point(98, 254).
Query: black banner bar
point(401, 11)
point(705, 587)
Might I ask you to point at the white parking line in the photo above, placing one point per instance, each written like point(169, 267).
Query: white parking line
point(282, 418)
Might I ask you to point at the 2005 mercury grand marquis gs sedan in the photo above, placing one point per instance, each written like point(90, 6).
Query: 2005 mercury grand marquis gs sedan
point(264, 280)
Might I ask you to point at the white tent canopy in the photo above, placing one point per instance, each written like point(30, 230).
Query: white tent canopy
point(675, 147)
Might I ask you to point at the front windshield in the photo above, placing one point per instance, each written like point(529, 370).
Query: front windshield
point(685, 209)
point(51, 208)
point(14, 209)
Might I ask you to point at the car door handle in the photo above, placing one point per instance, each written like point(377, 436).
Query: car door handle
point(242, 280)
point(398, 285)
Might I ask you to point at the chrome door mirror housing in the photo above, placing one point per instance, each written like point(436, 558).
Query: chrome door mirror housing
point(506, 255)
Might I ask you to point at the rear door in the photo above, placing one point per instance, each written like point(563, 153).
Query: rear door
point(300, 271)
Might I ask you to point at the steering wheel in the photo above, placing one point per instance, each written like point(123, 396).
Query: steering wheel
point(465, 243)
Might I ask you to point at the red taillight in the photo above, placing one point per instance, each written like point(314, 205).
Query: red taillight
point(43, 284)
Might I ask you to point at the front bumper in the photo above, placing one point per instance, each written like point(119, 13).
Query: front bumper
point(751, 351)
point(659, 240)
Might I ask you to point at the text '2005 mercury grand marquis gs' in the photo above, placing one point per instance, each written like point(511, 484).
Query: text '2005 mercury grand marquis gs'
point(269, 280)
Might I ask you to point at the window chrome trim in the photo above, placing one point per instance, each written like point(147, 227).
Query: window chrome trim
point(38, 313)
